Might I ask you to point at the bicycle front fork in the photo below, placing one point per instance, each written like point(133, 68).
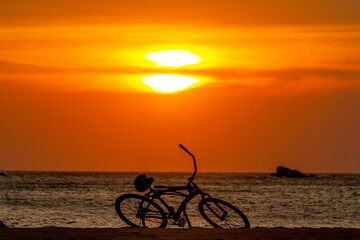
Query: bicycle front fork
point(187, 219)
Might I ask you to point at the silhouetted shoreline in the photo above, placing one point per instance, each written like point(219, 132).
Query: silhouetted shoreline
point(194, 233)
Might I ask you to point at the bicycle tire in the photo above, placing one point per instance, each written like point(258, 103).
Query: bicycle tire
point(138, 211)
point(213, 210)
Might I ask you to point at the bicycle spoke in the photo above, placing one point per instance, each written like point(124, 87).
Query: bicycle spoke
point(138, 211)
point(222, 214)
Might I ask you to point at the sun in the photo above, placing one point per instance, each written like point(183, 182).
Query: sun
point(173, 58)
point(168, 83)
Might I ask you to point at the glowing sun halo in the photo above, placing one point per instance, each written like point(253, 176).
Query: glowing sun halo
point(169, 82)
point(173, 58)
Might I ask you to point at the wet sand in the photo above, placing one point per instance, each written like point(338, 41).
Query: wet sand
point(194, 233)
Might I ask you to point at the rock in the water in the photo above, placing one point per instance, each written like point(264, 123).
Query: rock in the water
point(2, 172)
point(2, 225)
point(287, 172)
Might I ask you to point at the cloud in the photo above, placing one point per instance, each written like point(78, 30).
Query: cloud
point(287, 74)
point(17, 68)
point(231, 12)
point(287, 81)
point(222, 74)
point(284, 82)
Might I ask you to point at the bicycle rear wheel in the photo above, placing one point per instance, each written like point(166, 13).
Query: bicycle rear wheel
point(221, 214)
point(138, 211)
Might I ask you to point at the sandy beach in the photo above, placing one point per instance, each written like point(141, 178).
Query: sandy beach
point(194, 233)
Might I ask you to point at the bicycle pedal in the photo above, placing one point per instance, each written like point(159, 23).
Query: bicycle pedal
point(181, 222)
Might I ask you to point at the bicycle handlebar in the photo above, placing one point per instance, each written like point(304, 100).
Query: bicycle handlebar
point(183, 148)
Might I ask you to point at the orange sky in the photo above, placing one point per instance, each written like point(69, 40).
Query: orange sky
point(279, 84)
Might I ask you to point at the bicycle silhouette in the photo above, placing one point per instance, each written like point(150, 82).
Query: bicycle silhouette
point(143, 211)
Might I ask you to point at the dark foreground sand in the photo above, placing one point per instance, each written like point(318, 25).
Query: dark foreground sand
point(194, 233)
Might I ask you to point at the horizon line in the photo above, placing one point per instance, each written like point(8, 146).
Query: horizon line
point(90, 171)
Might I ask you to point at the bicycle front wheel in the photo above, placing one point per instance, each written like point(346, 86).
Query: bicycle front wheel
point(221, 214)
point(138, 211)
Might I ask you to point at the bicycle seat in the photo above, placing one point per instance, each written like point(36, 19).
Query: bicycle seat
point(143, 182)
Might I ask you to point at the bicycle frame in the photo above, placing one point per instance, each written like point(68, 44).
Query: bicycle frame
point(191, 187)
point(193, 190)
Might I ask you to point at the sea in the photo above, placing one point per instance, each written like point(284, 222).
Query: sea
point(86, 199)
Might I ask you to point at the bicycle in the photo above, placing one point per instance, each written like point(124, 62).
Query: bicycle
point(142, 211)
